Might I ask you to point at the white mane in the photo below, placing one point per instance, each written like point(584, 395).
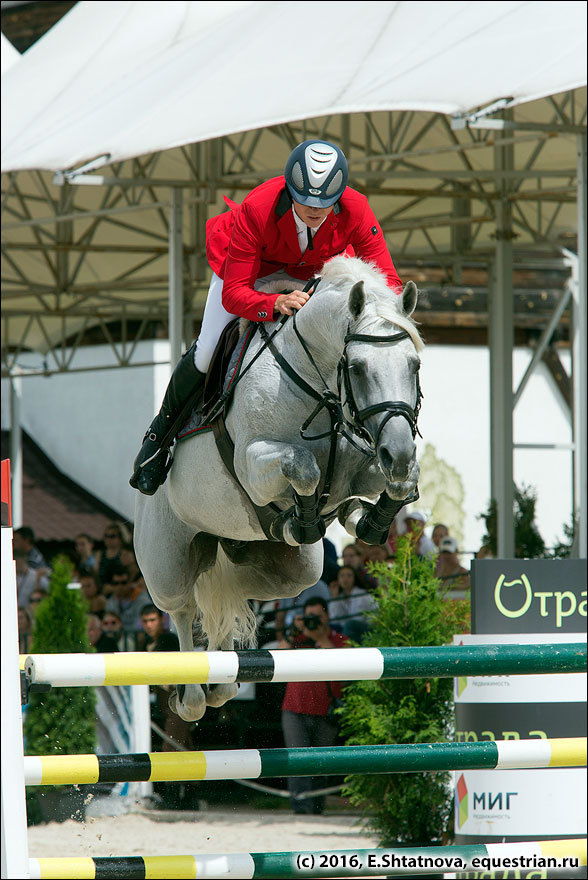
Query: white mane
point(347, 271)
point(344, 272)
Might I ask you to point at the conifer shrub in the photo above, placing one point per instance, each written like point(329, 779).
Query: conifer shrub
point(62, 721)
point(412, 809)
point(528, 542)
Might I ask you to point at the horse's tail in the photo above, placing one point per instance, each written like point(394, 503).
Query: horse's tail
point(225, 613)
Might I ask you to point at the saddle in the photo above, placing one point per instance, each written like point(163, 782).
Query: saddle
point(214, 382)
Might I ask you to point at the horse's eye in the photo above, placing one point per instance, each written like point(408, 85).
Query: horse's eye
point(355, 367)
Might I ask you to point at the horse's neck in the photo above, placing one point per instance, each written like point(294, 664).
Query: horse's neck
point(322, 324)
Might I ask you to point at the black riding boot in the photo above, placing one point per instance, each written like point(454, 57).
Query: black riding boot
point(151, 462)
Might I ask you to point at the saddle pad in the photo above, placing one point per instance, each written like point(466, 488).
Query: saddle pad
point(194, 425)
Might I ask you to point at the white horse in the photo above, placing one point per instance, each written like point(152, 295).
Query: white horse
point(345, 370)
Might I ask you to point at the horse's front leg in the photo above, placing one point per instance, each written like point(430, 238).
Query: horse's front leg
point(269, 470)
point(371, 522)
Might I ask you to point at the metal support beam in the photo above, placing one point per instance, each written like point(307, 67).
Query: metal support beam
point(505, 125)
point(543, 342)
point(501, 339)
point(16, 449)
point(560, 377)
point(176, 277)
point(579, 360)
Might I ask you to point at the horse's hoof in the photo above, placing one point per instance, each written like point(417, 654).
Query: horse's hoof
point(186, 711)
point(219, 694)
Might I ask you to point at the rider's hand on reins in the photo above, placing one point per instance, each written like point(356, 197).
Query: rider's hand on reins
point(286, 303)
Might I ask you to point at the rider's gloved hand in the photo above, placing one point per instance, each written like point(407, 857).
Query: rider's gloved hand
point(287, 303)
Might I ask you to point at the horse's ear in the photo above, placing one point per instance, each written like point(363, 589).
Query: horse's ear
point(357, 299)
point(410, 295)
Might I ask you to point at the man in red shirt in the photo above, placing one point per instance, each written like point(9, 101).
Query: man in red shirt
point(285, 229)
point(306, 721)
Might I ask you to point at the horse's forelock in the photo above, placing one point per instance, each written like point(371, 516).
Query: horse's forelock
point(388, 309)
point(380, 301)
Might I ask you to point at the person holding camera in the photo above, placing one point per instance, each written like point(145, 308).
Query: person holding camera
point(307, 710)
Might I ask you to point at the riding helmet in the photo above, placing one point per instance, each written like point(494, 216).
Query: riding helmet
point(316, 174)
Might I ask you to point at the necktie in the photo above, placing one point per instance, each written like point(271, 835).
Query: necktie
point(309, 239)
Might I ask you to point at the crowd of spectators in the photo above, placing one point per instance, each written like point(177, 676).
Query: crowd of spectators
point(348, 585)
point(109, 580)
point(115, 591)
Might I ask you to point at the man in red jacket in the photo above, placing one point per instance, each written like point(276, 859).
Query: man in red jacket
point(285, 229)
point(307, 719)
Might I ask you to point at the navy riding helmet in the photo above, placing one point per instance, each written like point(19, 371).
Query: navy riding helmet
point(316, 174)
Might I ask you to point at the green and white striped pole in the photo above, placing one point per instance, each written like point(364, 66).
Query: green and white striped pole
point(333, 761)
point(539, 855)
point(352, 664)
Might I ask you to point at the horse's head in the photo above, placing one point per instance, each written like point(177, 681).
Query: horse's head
point(380, 367)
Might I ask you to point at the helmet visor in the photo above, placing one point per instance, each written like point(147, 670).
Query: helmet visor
point(312, 201)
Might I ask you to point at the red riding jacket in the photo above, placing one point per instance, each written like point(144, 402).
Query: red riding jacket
point(259, 237)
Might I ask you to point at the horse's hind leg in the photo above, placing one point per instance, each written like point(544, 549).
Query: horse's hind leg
point(218, 694)
point(188, 700)
point(171, 557)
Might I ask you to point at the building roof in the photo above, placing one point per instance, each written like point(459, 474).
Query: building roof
point(54, 506)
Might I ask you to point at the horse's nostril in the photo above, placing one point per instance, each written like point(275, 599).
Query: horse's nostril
point(386, 459)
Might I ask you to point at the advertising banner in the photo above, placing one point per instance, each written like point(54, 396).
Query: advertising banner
point(497, 805)
point(562, 688)
point(531, 804)
point(528, 595)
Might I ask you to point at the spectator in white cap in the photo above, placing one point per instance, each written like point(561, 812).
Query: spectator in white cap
point(415, 522)
point(454, 577)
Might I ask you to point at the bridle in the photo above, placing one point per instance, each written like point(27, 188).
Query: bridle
point(353, 429)
point(391, 407)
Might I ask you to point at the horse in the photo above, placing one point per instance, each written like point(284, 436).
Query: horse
point(323, 420)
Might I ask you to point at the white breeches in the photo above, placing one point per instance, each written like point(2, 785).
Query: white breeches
point(216, 318)
point(214, 321)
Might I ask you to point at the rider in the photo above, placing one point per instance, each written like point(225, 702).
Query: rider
point(286, 228)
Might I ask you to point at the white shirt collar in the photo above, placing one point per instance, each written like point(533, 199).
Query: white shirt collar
point(302, 230)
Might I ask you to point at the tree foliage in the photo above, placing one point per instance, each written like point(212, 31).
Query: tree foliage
point(563, 547)
point(409, 809)
point(528, 542)
point(62, 721)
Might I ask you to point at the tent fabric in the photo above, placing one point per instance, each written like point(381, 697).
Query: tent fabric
point(129, 78)
point(10, 55)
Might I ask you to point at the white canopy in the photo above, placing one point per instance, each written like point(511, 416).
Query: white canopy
point(128, 78)
point(9, 55)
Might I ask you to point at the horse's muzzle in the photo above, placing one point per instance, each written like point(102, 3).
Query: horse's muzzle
point(396, 461)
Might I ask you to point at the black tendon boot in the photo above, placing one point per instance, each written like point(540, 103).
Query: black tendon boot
point(151, 463)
